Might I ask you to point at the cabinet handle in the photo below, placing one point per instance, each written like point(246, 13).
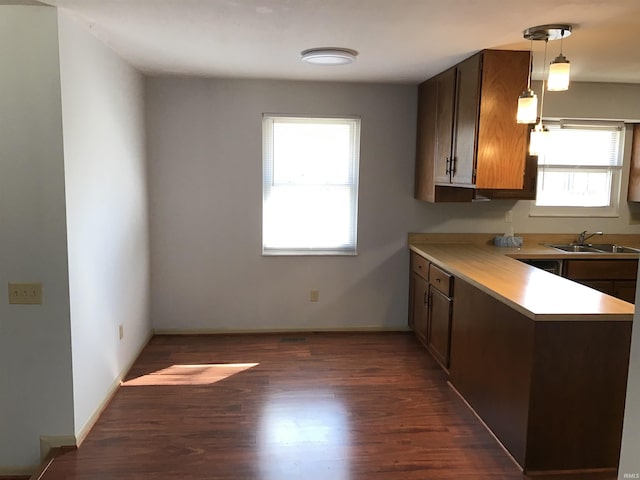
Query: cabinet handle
point(452, 168)
point(447, 169)
point(437, 280)
point(425, 298)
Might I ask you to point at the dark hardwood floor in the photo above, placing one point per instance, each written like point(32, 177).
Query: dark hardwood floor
point(284, 407)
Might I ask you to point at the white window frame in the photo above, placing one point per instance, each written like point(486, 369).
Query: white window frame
point(613, 209)
point(269, 183)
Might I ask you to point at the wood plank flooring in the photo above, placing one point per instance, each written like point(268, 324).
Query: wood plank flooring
point(284, 407)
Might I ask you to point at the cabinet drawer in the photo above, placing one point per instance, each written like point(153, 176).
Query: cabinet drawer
point(601, 269)
point(420, 265)
point(441, 280)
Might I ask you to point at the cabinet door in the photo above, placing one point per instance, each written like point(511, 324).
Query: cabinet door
point(529, 188)
point(420, 298)
point(604, 286)
point(502, 143)
point(467, 105)
point(446, 83)
point(625, 290)
point(439, 334)
point(426, 141)
point(633, 194)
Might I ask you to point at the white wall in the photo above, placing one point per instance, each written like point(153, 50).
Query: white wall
point(205, 165)
point(205, 191)
point(107, 222)
point(35, 345)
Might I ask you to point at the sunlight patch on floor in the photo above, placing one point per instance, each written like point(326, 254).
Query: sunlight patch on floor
point(204, 374)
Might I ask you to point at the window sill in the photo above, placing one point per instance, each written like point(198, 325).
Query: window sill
point(581, 212)
point(309, 253)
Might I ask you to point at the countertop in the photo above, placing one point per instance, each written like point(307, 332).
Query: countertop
point(539, 295)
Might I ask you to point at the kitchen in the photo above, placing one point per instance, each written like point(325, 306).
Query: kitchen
point(205, 237)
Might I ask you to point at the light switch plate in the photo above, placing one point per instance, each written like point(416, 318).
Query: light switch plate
point(25, 293)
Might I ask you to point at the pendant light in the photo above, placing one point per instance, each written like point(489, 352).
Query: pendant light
point(539, 134)
point(528, 100)
point(559, 71)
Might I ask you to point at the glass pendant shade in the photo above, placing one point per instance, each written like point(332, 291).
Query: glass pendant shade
point(538, 140)
point(527, 107)
point(559, 71)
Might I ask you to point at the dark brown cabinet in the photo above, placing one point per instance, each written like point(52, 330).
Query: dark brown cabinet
point(467, 134)
point(439, 318)
point(445, 105)
point(625, 289)
point(439, 335)
point(633, 195)
point(552, 392)
point(420, 307)
point(431, 304)
point(419, 297)
point(613, 277)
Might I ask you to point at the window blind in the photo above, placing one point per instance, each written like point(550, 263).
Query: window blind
point(310, 185)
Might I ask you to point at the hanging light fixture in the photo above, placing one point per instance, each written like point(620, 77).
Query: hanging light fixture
point(538, 137)
point(539, 133)
point(528, 100)
point(559, 70)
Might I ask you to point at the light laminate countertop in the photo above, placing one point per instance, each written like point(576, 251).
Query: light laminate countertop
point(539, 295)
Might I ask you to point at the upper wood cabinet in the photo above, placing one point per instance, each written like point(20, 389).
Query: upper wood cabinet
point(634, 173)
point(467, 132)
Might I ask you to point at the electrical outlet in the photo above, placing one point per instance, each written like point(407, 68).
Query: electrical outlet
point(25, 293)
point(121, 331)
point(314, 295)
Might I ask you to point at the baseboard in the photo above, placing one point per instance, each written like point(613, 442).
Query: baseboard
point(17, 472)
point(81, 435)
point(231, 331)
point(49, 442)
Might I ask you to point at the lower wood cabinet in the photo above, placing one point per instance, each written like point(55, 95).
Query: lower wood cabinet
point(552, 392)
point(439, 317)
point(419, 296)
point(439, 325)
point(613, 277)
point(431, 305)
point(420, 307)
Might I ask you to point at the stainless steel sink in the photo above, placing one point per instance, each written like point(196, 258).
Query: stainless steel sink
point(611, 248)
point(595, 248)
point(576, 248)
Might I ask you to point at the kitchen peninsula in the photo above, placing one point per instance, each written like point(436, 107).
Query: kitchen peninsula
point(541, 359)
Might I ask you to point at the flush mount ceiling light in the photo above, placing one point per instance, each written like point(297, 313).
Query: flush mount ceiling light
point(328, 56)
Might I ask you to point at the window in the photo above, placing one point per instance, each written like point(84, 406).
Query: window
point(310, 185)
point(579, 173)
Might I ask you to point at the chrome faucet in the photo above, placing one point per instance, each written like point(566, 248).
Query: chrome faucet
point(584, 236)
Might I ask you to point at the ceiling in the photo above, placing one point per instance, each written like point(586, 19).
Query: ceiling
point(399, 41)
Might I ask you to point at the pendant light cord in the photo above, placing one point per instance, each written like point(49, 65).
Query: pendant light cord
point(544, 71)
point(530, 64)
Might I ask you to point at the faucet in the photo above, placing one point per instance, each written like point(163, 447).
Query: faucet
point(584, 236)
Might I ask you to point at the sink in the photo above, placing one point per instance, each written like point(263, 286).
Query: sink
point(611, 248)
point(595, 248)
point(576, 248)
